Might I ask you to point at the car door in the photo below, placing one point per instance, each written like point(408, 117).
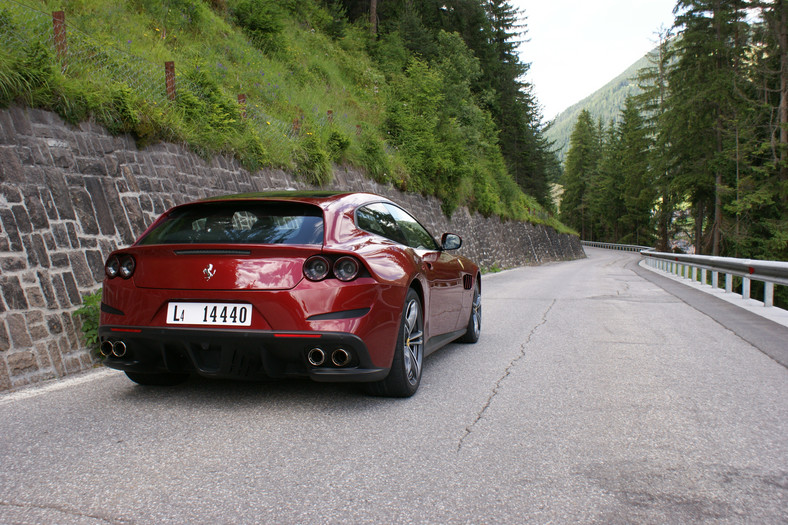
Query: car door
point(442, 271)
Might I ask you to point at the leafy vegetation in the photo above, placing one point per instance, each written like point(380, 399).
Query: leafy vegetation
point(429, 99)
point(89, 313)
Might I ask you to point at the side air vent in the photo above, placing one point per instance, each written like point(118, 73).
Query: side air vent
point(467, 281)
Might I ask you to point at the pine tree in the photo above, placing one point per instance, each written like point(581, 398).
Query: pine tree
point(606, 190)
point(702, 107)
point(639, 193)
point(514, 107)
point(581, 167)
point(652, 101)
point(761, 201)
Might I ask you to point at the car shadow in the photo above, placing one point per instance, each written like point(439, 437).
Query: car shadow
point(222, 390)
point(218, 393)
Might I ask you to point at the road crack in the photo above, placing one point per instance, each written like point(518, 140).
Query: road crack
point(499, 382)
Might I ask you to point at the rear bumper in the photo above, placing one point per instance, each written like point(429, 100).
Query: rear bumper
point(238, 354)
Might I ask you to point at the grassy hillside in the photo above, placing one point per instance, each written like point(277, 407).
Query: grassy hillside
point(314, 95)
point(606, 104)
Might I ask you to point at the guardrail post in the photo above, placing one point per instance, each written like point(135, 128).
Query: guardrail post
point(745, 288)
point(694, 273)
point(728, 283)
point(715, 279)
point(704, 274)
point(768, 294)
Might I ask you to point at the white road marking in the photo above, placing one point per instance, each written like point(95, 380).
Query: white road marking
point(56, 384)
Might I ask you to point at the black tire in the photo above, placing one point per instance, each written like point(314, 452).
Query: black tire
point(474, 328)
point(163, 379)
point(405, 374)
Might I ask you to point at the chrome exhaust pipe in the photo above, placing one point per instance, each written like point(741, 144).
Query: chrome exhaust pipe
point(119, 349)
point(340, 357)
point(316, 357)
point(106, 348)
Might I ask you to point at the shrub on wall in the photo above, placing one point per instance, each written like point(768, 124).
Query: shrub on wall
point(88, 315)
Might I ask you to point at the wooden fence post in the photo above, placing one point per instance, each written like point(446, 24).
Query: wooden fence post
point(242, 103)
point(61, 45)
point(169, 79)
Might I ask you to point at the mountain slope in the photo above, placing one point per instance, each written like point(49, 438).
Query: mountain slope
point(606, 104)
point(292, 85)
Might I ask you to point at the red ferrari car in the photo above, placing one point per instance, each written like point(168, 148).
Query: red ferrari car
point(331, 286)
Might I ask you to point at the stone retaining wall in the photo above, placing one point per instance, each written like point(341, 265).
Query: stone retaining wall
point(70, 195)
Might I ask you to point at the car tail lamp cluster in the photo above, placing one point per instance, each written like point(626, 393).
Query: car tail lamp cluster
point(345, 268)
point(120, 266)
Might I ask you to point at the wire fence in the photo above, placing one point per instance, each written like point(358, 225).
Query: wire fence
point(81, 56)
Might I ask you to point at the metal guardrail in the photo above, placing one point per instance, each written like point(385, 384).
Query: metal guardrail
point(619, 247)
point(770, 273)
point(687, 266)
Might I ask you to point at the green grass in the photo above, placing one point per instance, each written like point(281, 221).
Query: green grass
point(291, 69)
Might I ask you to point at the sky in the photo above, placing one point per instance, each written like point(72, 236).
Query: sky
point(577, 46)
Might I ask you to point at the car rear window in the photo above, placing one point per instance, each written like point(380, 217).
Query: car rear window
point(240, 222)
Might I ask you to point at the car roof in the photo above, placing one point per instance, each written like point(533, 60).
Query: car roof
point(323, 199)
point(338, 207)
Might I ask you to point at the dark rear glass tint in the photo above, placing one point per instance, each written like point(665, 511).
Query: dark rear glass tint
point(241, 222)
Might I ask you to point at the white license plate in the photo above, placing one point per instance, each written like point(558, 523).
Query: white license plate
point(213, 314)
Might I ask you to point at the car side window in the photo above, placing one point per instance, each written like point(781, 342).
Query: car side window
point(375, 218)
point(415, 234)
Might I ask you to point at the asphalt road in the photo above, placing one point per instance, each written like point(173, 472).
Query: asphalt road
point(593, 396)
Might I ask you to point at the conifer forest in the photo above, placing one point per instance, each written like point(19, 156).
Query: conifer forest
point(698, 159)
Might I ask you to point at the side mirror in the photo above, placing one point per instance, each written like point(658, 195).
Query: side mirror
point(449, 241)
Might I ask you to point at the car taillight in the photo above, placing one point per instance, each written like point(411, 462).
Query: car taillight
point(346, 268)
point(112, 267)
point(316, 268)
point(120, 266)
